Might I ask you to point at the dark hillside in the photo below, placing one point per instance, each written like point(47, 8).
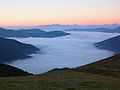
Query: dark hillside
point(11, 50)
point(112, 44)
point(10, 71)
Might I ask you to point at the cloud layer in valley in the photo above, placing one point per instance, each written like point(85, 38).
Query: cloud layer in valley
point(69, 51)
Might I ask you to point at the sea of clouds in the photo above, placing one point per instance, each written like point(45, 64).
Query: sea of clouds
point(68, 51)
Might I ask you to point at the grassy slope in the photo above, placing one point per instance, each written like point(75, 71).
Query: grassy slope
point(107, 67)
point(81, 78)
point(10, 71)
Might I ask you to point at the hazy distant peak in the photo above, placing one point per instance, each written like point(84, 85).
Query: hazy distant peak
point(65, 27)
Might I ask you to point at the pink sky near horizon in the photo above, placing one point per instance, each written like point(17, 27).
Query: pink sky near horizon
point(42, 12)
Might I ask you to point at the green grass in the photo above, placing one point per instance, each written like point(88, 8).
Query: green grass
point(62, 80)
point(106, 67)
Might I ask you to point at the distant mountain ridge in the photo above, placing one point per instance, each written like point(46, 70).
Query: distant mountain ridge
point(11, 49)
point(30, 33)
point(106, 30)
point(112, 44)
point(62, 27)
point(66, 27)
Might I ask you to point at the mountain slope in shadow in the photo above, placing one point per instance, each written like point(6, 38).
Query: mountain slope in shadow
point(12, 50)
point(112, 44)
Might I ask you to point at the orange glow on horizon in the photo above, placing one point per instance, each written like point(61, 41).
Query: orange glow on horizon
point(62, 22)
point(43, 12)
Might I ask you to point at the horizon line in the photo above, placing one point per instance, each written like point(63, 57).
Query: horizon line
point(58, 24)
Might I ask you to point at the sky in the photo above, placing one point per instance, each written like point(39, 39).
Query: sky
point(43, 12)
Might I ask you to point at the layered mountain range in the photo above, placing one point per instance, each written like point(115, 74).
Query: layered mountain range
point(24, 33)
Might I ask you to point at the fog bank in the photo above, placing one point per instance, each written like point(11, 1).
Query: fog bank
point(68, 51)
